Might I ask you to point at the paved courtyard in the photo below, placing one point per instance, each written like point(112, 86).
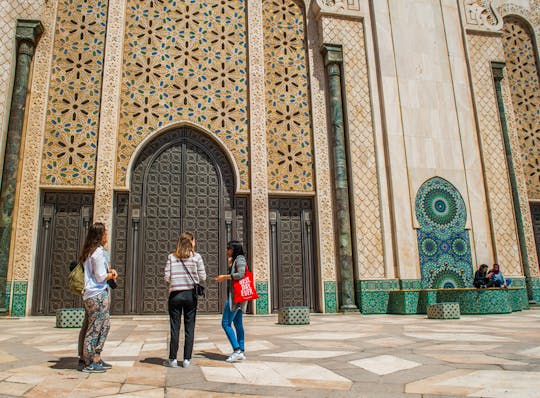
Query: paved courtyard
point(334, 356)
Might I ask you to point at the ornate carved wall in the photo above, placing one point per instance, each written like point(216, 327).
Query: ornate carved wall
point(71, 135)
point(184, 61)
point(483, 49)
point(288, 120)
point(10, 11)
point(367, 212)
point(522, 72)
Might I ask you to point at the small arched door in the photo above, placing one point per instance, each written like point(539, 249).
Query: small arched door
point(180, 182)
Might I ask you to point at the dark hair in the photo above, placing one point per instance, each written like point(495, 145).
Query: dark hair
point(94, 239)
point(483, 266)
point(236, 247)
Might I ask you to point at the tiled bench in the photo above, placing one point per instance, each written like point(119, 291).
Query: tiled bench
point(443, 311)
point(69, 317)
point(294, 316)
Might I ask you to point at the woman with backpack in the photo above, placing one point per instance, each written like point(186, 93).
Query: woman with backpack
point(96, 296)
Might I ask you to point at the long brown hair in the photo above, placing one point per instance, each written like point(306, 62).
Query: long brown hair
point(184, 247)
point(94, 239)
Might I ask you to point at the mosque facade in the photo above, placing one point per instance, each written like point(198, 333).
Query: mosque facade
point(359, 149)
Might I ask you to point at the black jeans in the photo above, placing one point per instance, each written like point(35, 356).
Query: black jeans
point(186, 302)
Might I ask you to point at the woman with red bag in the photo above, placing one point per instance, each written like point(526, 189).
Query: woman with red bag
point(232, 313)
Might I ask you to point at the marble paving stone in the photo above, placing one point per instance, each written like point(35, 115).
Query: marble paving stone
point(110, 344)
point(5, 357)
point(181, 393)
point(384, 364)
point(277, 374)
point(151, 393)
point(390, 342)
point(480, 383)
point(154, 347)
point(460, 347)
point(27, 378)
point(55, 348)
point(475, 357)
point(6, 337)
point(127, 349)
point(308, 354)
point(93, 387)
point(327, 336)
point(458, 337)
point(204, 346)
point(532, 352)
point(126, 364)
point(16, 389)
point(129, 388)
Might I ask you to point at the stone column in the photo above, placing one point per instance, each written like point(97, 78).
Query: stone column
point(333, 59)
point(27, 35)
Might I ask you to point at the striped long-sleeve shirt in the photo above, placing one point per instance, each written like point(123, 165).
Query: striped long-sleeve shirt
point(176, 274)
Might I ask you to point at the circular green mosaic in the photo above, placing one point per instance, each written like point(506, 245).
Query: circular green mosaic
point(460, 247)
point(429, 247)
point(440, 206)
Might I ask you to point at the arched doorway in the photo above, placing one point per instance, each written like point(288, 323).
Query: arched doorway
point(181, 181)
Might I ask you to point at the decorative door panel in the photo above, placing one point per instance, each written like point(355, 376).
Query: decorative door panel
point(292, 253)
point(65, 218)
point(535, 213)
point(181, 181)
point(161, 223)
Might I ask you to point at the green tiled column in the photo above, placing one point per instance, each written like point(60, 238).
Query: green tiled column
point(8, 293)
point(333, 59)
point(18, 303)
point(330, 297)
point(26, 35)
point(533, 286)
point(262, 306)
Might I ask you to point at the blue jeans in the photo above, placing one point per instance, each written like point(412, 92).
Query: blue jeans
point(229, 318)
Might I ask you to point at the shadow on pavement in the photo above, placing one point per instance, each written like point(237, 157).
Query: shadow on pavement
point(65, 363)
point(212, 355)
point(153, 361)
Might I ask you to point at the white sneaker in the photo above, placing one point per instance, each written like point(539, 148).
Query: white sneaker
point(186, 363)
point(236, 356)
point(170, 363)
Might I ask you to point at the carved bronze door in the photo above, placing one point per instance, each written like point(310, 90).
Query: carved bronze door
point(292, 255)
point(65, 218)
point(535, 213)
point(181, 182)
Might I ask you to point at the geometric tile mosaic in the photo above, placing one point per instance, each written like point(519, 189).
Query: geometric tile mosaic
point(69, 154)
point(184, 60)
point(443, 242)
point(522, 70)
point(288, 122)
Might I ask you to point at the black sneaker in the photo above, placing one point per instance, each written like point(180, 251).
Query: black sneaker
point(94, 367)
point(104, 364)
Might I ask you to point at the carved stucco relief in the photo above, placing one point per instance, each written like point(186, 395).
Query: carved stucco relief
point(323, 182)
point(10, 11)
point(366, 203)
point(483, 49)
point(28, 199)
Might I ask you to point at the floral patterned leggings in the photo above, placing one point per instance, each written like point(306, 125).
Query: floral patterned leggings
point(99, 322)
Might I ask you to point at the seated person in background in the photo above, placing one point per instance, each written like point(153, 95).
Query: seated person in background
point(496, 278)
point(480, 276)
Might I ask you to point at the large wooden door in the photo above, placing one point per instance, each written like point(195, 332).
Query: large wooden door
point(292, 255)
point(65, 218)
point(181, 182)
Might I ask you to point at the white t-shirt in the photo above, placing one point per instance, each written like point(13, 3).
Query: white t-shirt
point(95, 273)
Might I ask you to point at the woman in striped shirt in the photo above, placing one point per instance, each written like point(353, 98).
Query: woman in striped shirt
point(184, 268)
